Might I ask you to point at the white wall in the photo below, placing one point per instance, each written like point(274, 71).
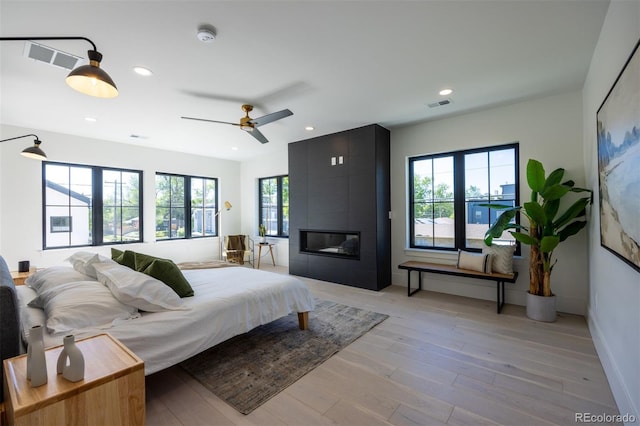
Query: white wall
point(271, 165)
point(548, 129)
point(614, 296)
point(21, 189)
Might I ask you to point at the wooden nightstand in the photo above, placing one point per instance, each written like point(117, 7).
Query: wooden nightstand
point(20, 277)
point(112, 392)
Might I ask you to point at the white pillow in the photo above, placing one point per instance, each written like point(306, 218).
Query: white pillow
point(474, 261)
point(81, 304)
point(54, 276)
point(501, 257)
point(137, 289)
point(83, 261)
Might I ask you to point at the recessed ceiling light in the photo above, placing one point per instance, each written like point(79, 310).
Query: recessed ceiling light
point(90, 119)
point(309, 128)
point(445, 92)
point(234, 148)
point(146, 72)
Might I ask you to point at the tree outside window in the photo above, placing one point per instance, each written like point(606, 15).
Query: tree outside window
point(447, 191)
point(273, 202)
point(185, 206)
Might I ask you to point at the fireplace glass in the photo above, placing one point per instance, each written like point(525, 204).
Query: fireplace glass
point(331, 243)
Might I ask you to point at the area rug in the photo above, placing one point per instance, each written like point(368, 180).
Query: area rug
point(248, 370)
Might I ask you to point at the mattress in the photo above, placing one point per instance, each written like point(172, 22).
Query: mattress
point(227, 302)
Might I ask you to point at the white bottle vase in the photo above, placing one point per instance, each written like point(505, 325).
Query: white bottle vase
point(70, 361)
point(36, 361)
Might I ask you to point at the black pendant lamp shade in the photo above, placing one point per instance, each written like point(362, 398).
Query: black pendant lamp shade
point(31, 151)
point(34, 151)
point(88, 79)
point(91, 79)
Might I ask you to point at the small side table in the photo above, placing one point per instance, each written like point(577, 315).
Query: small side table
point(20, 277)
point(270, 246)
point(112, 391)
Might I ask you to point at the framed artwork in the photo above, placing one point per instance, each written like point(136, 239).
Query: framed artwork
point(619, 164)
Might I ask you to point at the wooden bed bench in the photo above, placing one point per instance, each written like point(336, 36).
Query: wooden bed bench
point(436, 268)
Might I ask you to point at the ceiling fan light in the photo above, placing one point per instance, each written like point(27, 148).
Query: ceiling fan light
point(246, 127)
point(91, 79)
point(34, 151)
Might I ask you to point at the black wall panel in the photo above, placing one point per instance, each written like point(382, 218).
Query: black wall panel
point(352, 196)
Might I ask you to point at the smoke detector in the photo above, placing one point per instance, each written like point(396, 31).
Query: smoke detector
point(206, 34)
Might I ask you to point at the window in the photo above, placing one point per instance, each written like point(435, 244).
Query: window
point(447, 192)
point(273, 202)
point(180, 197)
point(90, 205)
point(60, 224)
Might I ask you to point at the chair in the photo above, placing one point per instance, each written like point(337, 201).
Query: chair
point(238, 249)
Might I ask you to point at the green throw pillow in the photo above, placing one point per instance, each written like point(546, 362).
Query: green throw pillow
point(144, 260)
point(126, 258)
point(116, 253)
point(169, 273)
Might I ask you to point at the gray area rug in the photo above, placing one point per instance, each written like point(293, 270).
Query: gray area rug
point(248, 370)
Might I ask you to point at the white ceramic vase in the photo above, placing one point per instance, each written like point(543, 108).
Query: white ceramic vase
point(70, 361)
point(36, 360)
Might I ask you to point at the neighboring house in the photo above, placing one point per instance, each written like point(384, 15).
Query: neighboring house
point(67, 216)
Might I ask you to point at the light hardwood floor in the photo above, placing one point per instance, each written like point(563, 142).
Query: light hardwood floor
point(438, 359)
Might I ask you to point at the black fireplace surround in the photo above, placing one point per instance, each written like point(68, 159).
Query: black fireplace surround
point(330, 243)
point(339, 203)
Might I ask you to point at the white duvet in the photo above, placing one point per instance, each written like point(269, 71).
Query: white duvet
point(227, 302)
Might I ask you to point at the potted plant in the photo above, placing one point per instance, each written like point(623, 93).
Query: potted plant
point(262, 231)
point(547, 228)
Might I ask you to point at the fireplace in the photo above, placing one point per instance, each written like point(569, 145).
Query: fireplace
point(344, 244)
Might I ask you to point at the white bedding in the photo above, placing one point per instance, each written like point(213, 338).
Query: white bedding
point(227, 302)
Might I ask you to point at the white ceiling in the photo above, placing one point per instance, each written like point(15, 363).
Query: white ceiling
point(336, 64)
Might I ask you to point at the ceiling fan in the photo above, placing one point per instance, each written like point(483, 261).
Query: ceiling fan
point(249, 124)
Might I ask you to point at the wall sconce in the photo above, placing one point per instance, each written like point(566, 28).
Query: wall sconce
point(88, 79)
point(31, 151)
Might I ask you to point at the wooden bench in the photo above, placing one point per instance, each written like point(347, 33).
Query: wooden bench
point(436, 268)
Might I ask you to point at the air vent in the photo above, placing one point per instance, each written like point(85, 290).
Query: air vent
point(440, 103)
point(51, 56)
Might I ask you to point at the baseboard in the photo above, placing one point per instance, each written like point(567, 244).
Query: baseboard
point(620, 391)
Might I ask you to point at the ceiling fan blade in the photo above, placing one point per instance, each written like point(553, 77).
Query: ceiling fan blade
point(210, 121)
point(258, 135)
point(270, 117)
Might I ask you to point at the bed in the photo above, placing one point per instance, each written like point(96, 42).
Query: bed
point(227, 302)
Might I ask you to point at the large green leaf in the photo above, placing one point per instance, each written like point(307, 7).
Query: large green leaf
point(571, 229)
point(576, 210)
point(551, 209)
point(498, 206)
point(548, 244)
point(535, 175)
point(535, 212)
point(525, 238)
point(555, 192)
point(502, 223)
point(554, 178)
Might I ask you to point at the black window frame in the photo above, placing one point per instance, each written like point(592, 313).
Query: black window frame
point(96, 226)
point(188, 231)
point(459, 195)
point(280, 231)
